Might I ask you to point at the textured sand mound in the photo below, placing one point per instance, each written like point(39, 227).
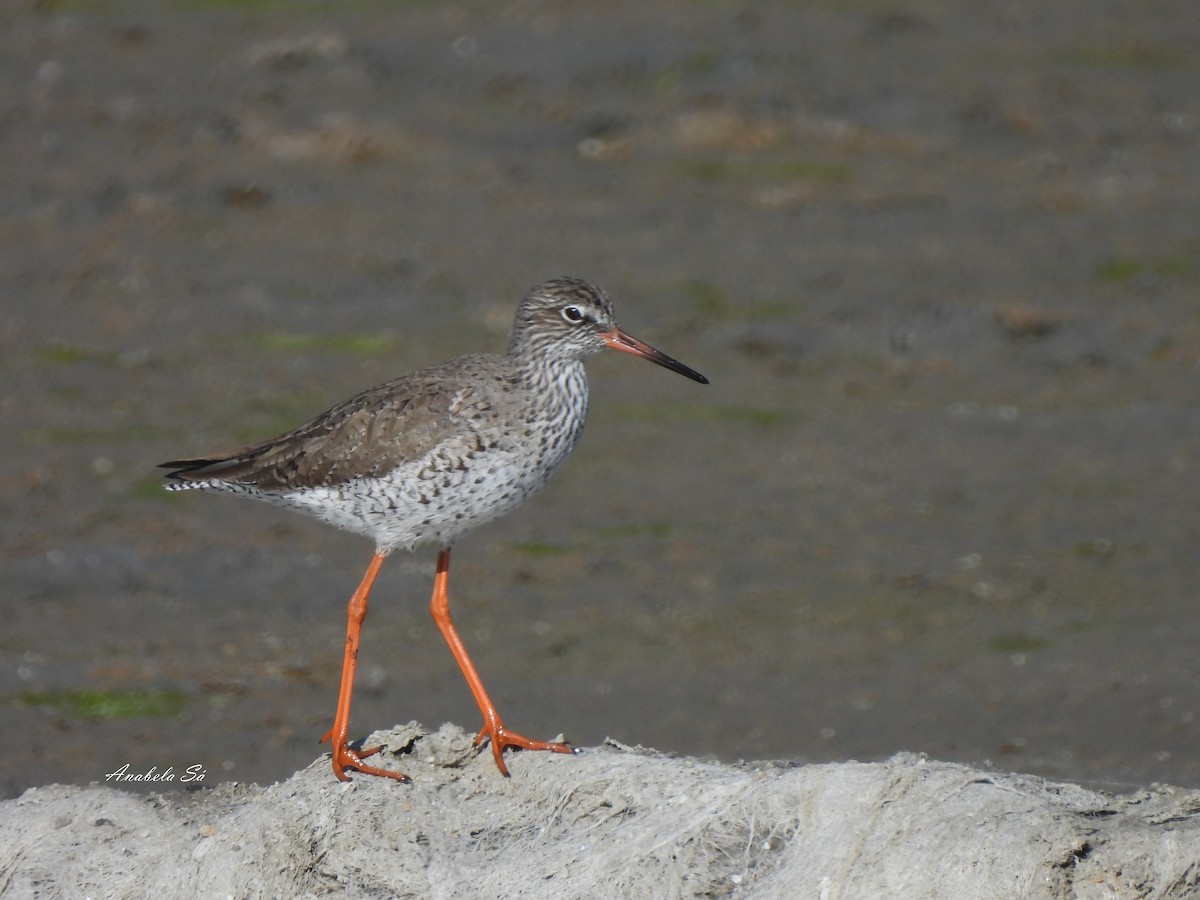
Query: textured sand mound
point(609, 822)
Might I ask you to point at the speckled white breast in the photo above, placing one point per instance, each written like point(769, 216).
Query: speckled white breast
point(458, 485)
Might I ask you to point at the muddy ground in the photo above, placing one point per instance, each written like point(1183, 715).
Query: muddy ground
point(939, 260)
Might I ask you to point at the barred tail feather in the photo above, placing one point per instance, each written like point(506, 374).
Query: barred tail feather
point(194, 474)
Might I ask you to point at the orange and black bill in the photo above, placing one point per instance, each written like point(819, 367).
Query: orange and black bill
point(627, 343)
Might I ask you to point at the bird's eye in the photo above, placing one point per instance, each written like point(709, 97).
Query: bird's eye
point(572, 314)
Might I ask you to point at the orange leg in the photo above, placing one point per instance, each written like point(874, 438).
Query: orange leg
point(343, 756)
point(493, 729)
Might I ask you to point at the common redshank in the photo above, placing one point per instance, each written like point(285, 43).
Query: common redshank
point(428, 457)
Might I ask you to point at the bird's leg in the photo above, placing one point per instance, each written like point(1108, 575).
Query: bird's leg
point(343, 756)
point(493, 729)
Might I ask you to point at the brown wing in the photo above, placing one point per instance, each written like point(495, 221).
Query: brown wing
point(368, 435)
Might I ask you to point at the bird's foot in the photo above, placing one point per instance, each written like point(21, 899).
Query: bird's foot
point(345, 757)
point(500, 737)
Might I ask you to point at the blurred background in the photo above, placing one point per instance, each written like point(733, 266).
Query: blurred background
point(940, 261)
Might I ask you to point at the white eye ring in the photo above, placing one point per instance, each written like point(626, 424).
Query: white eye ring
point(572, 314)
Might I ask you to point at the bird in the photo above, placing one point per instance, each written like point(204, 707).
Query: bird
point(428, 457)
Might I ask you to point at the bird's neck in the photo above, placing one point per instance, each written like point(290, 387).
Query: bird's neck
point(548, 377)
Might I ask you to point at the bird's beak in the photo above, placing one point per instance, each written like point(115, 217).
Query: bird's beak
point(627, 343)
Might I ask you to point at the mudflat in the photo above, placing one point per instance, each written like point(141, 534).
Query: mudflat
point(940, 265)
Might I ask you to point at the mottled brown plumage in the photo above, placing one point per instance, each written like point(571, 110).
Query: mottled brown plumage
point(430, 456)
point(389, 425)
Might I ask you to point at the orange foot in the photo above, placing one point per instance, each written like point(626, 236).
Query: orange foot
point(500, 737)
point(346, 758)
